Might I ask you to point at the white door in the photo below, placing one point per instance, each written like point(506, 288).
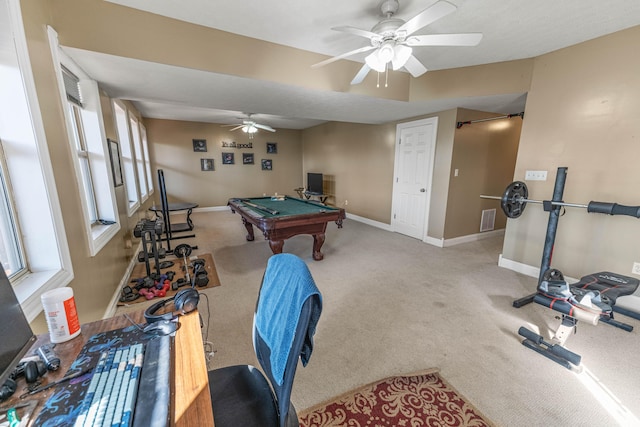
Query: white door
point(415, 150)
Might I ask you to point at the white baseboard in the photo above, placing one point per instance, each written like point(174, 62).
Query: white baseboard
point(526, 269)
point(518, 267)
point(211, 209)
point(113, 304)
point(445, 243)
point(370, 222)
point(473, 237)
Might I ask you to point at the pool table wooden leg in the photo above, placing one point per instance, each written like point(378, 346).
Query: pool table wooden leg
point(249, 227)
point(318, 241)
point(276, 246)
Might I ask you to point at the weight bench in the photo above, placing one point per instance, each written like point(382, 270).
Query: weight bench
point(590, 300)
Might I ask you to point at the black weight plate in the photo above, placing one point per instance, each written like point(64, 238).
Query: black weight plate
point(182, 250)
point(512, 204)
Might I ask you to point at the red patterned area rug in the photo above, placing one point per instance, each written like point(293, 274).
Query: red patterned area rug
point(420, 399)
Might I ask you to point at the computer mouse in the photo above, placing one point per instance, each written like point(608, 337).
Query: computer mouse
point(162, 327)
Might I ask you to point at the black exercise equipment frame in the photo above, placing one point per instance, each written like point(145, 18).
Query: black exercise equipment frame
point(165, 215)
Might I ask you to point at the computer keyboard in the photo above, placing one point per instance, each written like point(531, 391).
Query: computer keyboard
point(112, 392)
point(123, 381)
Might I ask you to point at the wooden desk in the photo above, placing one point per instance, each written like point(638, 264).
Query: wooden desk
point(190, 397)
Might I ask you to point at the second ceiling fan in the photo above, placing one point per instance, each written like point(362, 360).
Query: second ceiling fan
point(392, 41)
point(250, 126)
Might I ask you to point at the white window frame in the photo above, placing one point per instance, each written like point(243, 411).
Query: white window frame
point(134, 126)
point(147, 161)
point(29, 167)
point(127, 157)
point(98, 234)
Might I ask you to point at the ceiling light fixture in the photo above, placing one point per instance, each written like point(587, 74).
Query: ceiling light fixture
point(388, 51)
point(250, 129)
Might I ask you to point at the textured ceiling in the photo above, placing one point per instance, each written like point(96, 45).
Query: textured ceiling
point(512, 30)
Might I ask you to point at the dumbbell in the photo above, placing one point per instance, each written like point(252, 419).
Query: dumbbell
point(183, 250)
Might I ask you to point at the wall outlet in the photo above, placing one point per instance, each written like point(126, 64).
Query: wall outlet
point(346, 202)
point(535, 176)
point(636, 268)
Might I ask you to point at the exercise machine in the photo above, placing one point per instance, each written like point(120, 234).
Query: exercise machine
point(169, 228)
point(592, 299)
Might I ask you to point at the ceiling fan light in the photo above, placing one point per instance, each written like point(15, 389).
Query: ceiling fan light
point(386, 52)
point(374, 62)
point(401, 56)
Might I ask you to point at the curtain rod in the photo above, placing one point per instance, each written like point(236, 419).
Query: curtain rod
point(508, 116)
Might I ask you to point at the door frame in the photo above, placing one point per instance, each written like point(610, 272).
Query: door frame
point(430, 169)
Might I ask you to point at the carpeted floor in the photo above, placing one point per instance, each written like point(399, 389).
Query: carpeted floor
point(393, 305)
point(420, 399)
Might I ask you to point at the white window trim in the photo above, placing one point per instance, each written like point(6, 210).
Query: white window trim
point(97, 235)
point(131, 207)
point(49, 260)
point(147, 160)
point(139, 162)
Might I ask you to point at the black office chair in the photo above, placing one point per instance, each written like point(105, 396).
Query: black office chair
point(287, 311)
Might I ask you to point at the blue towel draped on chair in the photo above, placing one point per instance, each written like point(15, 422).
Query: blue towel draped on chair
point(286, 287)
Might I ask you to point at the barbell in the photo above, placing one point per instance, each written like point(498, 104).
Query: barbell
point(514, 200)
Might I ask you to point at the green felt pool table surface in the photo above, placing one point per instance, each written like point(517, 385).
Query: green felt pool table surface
point(287, 217)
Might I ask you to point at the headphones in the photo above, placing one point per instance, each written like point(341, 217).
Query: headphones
point(184, 302)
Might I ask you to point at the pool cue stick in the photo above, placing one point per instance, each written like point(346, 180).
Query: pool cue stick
point(260, 207)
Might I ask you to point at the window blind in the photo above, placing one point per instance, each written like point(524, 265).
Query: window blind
point(72, 86)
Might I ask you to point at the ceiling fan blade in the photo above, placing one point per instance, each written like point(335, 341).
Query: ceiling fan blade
point(361, 75)
point(264, 127)
point(356, 31)
point(427, 16)
point(236, 128)
point(415, 67)
point(463, 39)
point(344, 55)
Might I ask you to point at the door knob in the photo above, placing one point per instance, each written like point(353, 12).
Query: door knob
point(422, 190)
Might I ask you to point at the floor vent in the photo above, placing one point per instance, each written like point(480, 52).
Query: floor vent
point(488, 220)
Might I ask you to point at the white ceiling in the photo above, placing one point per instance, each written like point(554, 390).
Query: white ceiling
point(513, 29)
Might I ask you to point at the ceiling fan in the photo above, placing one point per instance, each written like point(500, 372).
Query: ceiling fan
point(392, 41)
point(250, 126)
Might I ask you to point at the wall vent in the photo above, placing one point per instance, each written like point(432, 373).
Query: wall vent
point(488, 220)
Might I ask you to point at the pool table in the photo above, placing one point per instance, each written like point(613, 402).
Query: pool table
point(285, 217)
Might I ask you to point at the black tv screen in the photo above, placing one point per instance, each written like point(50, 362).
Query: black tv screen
point(314, 183)
point(16, 335)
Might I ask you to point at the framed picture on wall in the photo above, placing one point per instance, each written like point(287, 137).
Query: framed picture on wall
point(116, 168)
point(272, 148)
point(200, 145)
point(206, 165)
point(267, 164)
point(227, 158)
point(247, 158)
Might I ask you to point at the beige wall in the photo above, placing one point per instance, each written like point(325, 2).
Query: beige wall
point(171, 149)
point(357, 165)
point(582, 112)
point(484, 154)
point(96, 278)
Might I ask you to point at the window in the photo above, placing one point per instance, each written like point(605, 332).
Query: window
point(147, 161)
point(127, 160)
point(85, 128)
point(11, 252)
point(33, 234)
point(140, 166)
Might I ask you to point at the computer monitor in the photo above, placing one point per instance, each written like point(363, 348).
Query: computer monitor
point(16, 336)
point(314, 183)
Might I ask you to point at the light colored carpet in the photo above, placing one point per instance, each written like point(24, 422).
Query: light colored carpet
point(393, 304)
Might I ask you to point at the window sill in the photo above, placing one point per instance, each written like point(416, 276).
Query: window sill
point(101, 235)
point(30, 288)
